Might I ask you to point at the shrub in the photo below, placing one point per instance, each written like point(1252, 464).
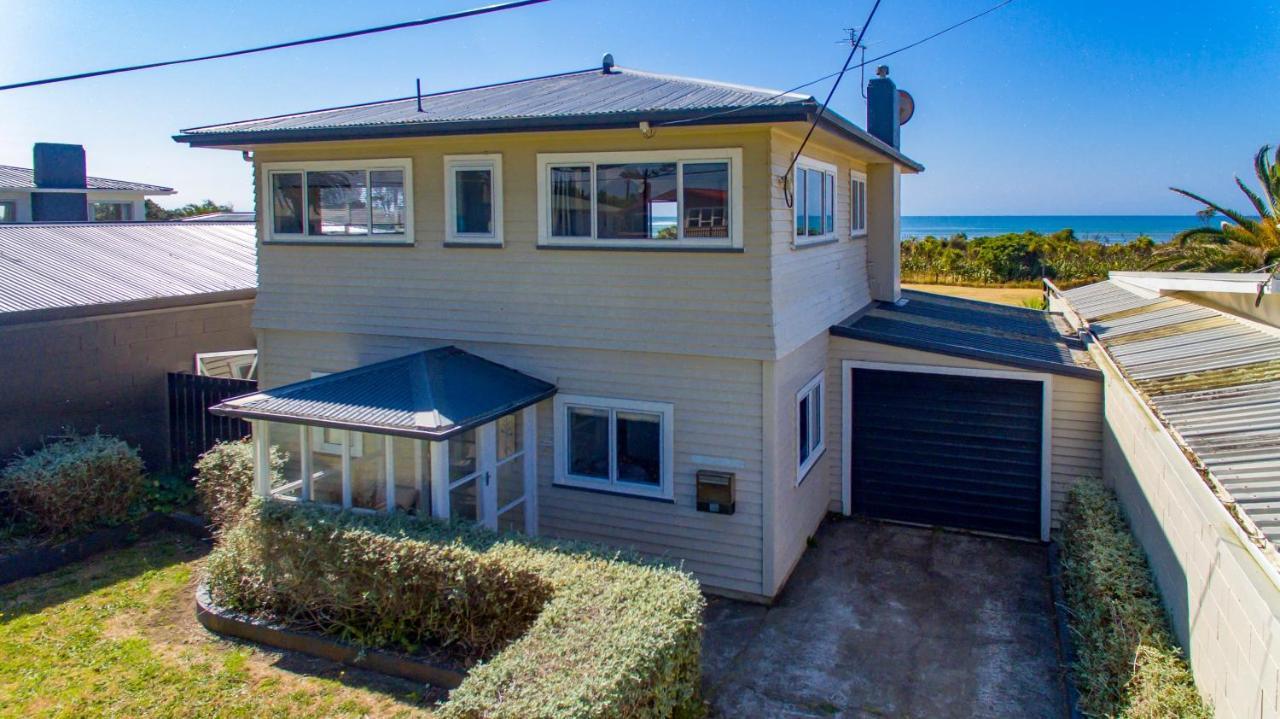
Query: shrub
point(560, 630)
point(73, 484)
point(224, 480)
point(1128, 663)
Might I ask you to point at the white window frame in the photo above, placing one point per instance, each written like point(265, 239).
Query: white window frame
point(854, 215)
point(665, 410)
point(731, 155)
point(317, 434)
point(13, 211)
point(126, 213)
point(814, 388)
point(828, 170)
point(454, 163)
point(269, 169)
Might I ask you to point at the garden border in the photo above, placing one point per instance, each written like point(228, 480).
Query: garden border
point(41, 560)
point(227, 623)
point(1066, 644)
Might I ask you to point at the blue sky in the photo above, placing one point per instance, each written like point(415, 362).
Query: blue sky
point(1044, 107)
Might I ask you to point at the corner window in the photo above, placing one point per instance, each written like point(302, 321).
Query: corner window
point(8, 211)
point(473, 199)
point(366, 201)
point(814, 201)
point(857, 204)
point(113, 212)
point(809, 432)
point(621, 446)
point(675, 199)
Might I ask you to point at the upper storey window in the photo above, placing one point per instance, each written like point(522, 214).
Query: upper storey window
point(473, 199)
point(814, 200)
point(686, 199)
point(360, 201)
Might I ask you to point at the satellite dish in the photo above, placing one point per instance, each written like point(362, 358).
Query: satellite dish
point(906, 107)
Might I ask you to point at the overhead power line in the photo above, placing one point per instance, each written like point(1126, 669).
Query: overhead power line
point(828, 76)
point(281, 45)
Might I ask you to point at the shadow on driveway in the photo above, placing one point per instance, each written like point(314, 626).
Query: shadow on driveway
point(881, 620)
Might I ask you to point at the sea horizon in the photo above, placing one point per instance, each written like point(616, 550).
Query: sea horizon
point(1103, 228)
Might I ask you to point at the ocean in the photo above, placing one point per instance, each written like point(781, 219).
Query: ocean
point(1105, 228)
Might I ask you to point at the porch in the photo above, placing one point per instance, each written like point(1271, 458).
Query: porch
point(440, 433)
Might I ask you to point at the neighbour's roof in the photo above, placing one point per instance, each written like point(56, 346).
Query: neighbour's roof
point(23, 178)
point(429, 395)
point(56, 270)
point(1212, 378)
point(1015, 336)
point(578, 100)
point(222, 217)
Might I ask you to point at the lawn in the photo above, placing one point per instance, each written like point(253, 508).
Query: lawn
point(1001, 295)
point(116, 636)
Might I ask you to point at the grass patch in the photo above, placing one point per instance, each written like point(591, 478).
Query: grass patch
point(117, 636)
point(1129, 665)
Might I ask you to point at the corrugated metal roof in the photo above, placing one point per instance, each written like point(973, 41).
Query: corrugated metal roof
point(75, 265)
point(222, 217)
point(431, 395)
point(23, 178)
point(1213, 379)
point(566, 101)
point(1017, 336)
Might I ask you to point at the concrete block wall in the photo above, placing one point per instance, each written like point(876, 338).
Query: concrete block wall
point(108, 372)
point(1222, 593)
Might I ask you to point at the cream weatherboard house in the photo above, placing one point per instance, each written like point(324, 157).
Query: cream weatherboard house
point(607, 305)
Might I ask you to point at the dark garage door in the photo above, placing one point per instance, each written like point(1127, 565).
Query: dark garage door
point(947, 450)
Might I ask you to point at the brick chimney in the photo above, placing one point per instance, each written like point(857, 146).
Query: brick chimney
point(59, 167)
point(882, 108)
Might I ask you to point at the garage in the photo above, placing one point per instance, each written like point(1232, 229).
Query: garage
point(951, 450)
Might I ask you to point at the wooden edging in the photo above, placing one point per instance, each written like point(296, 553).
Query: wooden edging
point(1066, 644)
point(226, 623)
point(40, 560)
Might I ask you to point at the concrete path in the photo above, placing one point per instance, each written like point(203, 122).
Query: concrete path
point(881, 620)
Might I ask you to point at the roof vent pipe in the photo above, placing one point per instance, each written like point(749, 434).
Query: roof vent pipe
point(606, 63)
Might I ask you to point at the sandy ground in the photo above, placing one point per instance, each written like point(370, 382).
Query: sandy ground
point(1001, 295)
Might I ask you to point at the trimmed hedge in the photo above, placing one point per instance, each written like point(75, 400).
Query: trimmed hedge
point(556, 629)
point(73, 484)
point(1128, 663)
point(224, 480)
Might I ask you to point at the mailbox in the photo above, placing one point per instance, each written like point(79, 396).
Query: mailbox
point(715, 491)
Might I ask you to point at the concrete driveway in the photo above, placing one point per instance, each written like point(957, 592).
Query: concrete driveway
point(881, 620)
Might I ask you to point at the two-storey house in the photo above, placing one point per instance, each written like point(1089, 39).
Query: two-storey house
point(626, 307)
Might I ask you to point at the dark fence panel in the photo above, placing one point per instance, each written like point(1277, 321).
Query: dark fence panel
point(192, 429)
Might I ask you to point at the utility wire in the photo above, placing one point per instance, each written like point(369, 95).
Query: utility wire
point(862, 32)
point(281, 45)
point(864, 63)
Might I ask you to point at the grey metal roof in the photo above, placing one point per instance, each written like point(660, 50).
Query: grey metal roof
point(429, 395)
point(23, 178)
point(222, 217)
point(566, 101)
point(1016, 336)
point(54, 270)
point(1214, 380)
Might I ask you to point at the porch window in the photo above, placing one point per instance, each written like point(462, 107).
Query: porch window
point(473, 199)
point(809, 434)
point(364, 201)
point(857, 204)
point(622, 446)
point(675, 199)
point(813, 198)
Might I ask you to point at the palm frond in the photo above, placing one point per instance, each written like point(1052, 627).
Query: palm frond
point(1199, 235)
point(1234, 216)
point(1268, 173)
point(1264, 210)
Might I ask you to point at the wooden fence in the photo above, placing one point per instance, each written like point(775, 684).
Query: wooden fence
point(192, 429)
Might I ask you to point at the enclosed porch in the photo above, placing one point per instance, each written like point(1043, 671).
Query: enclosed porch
point(440, 433)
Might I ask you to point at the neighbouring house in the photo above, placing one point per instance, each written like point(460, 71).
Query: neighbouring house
point(57, 189)
point(607, 305)
point(93, 316)
point(1191, 364)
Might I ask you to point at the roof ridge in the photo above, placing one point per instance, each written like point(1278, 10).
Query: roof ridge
point(718, 83)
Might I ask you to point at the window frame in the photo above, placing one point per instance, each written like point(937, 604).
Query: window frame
point(730, 155)
point(829, 172)
point(127, 210)
point(268, 170)
point(814, 388)
point(454, 163)
point(13, 211)
point(666, 473)
point(856, 176)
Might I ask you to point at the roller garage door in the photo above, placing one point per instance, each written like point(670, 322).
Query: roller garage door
point(947, 450)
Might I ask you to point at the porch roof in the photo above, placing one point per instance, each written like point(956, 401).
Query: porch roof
point(428, 395)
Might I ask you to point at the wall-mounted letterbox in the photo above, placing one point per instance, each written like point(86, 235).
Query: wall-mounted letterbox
point(715, 491)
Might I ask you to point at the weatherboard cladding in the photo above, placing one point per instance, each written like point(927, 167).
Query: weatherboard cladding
point(45, 267)
point(1016, 336)
point(23, 178)
point(1213, 379)
point(432, 394)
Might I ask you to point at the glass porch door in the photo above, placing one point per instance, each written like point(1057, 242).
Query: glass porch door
point(489, 473)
